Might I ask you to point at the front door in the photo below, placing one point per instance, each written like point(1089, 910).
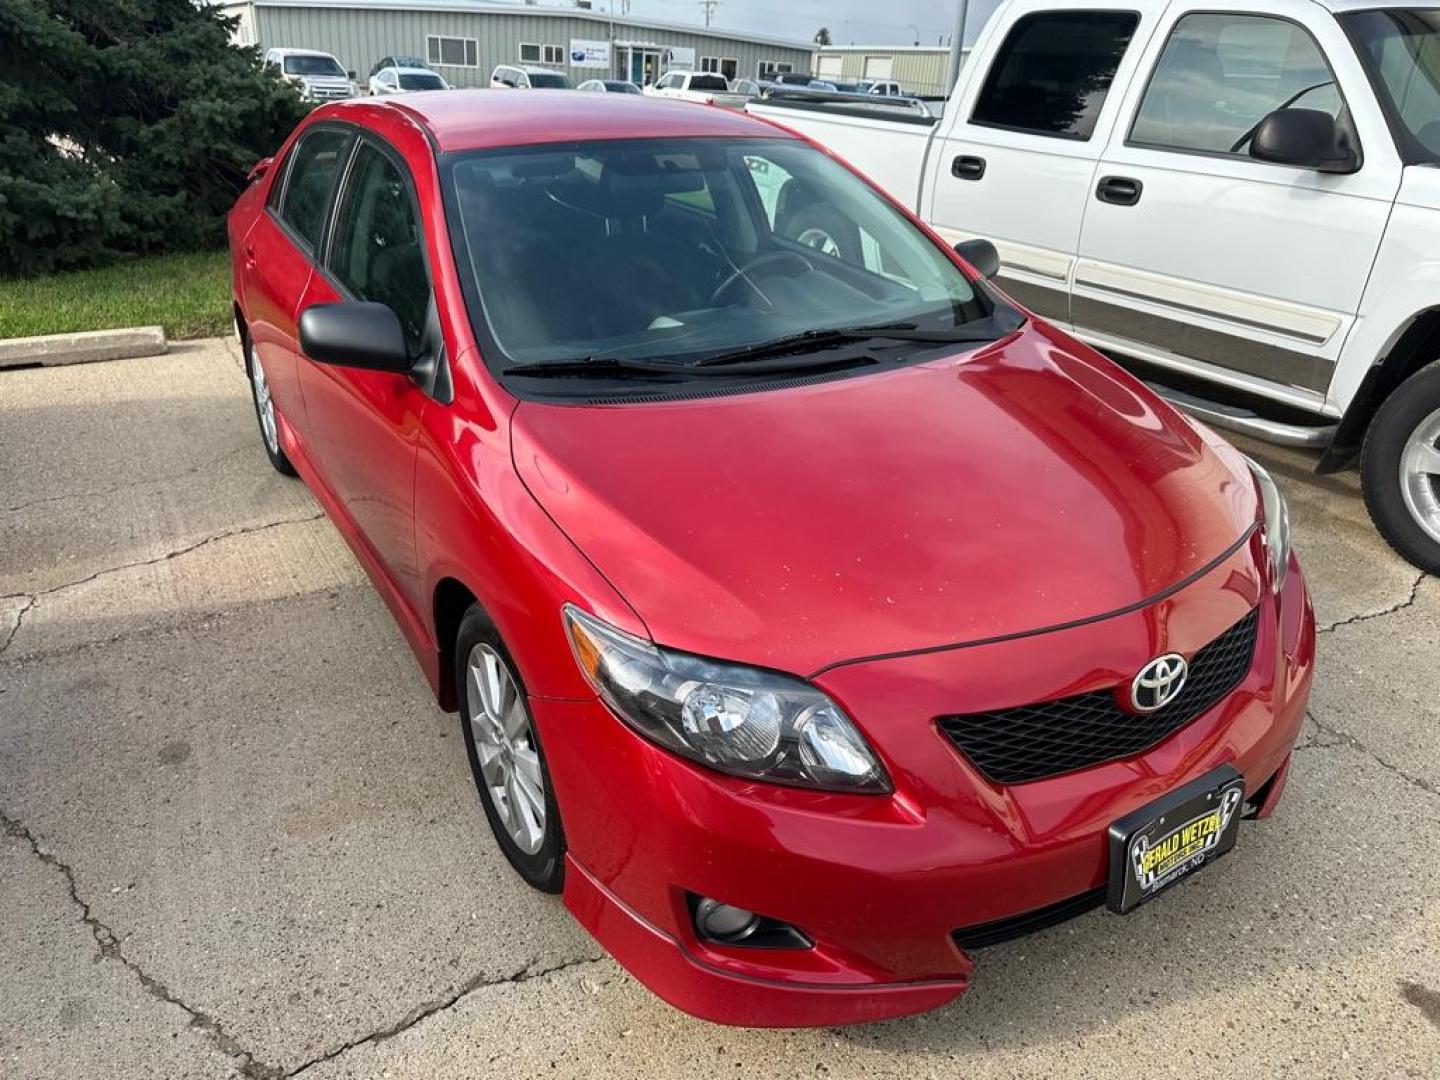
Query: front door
point(364, 424)
point(1240, 270)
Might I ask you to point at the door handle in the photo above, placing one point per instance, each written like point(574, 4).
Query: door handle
point(250, 255)
point(1120, 190)
point(967, 167)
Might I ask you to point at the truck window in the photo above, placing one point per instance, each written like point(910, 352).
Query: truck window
point(1401, 48)
point(1053, 72)
point(1221, 74)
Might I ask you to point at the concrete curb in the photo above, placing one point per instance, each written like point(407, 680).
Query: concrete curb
point(82, 348)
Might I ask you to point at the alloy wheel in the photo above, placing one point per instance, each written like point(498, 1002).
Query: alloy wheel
point(263, 403)
point(1420, 474)
point(505, 747)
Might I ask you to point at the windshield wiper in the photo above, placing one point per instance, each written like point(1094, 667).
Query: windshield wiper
point(820, 339)
point(592, 366)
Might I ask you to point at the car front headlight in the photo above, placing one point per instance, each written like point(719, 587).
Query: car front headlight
point(739, 720)
point(1277, 525)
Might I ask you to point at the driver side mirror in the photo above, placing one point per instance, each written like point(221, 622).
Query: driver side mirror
point(260, 168)
point(358, 334)
point(980, 254)
point(1307, 138)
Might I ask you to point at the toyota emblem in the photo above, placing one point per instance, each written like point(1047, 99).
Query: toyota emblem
point(1158, 683)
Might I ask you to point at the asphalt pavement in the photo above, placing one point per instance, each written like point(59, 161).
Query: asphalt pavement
point(238, 838)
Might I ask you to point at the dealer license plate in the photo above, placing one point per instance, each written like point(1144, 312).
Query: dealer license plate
point(1171, 838)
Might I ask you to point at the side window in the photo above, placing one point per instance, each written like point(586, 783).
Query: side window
point(1053, 72)
point(313, 165)
point(376, 252)
point(1221, 74)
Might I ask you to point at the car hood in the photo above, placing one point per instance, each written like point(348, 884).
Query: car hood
point(1018, 487)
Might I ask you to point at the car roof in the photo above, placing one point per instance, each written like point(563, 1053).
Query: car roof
point(488, 119)
point(301, 52)
point(411, 70)
point(530, 69)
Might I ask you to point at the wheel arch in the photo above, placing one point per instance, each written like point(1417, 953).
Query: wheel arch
point(1414, 347)
point(451, 600)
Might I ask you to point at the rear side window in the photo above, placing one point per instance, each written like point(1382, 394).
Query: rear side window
point(313, 165)
point(375, 252)
point(1221, 74)
point(1054, 71)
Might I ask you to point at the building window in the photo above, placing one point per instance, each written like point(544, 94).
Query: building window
point(452, 51)
point(531, 53)
point(768, 69)
point(729, 67)
point(710, 64)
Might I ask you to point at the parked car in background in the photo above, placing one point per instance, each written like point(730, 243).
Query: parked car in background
point(414, 63)
point(396, 80)
point(318, 75)
point(1242, 205)
point(749, 87)
point(700, 87)
point(814, 622)
point(879, 88)
point(515, 77)
point(608, 86)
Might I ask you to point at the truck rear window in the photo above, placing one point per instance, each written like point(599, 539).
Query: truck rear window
point(1053, 72)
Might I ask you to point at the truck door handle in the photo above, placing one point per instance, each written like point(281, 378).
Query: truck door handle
point(966, 167)
point(1120, 190)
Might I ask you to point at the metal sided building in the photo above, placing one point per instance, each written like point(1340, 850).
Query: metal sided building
point(919, 69)
point(463, 40)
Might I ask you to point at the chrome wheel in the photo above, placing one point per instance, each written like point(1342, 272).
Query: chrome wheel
point(1420, 474)
point(505, 748)
point(263, 404)
point(819, 240)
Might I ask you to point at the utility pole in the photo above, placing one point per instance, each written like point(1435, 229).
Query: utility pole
point(957, 48)
point(709, 8)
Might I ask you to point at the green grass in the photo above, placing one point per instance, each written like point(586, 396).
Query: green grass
point(187, 294)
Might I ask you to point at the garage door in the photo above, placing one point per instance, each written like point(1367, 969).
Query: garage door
point(830, 67)
point(879, 67)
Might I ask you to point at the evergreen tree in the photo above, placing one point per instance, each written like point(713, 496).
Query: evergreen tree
point(126, 126)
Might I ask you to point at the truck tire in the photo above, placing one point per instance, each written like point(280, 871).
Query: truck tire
point(826, 230)
point(1400, 469)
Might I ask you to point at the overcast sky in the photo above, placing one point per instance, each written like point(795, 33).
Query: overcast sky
point(859, 22)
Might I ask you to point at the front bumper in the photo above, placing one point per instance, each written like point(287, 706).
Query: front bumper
point(881, 884)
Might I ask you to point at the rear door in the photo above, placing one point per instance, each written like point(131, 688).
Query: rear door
point(364, 424)
point(277, 259)
point(1241, 271)
point(1018, 149)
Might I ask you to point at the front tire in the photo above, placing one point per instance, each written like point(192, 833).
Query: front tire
point(1400, 469)
point(506, 758)
point(265, 413)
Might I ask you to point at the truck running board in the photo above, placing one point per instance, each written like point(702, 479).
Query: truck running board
point(1237, 418)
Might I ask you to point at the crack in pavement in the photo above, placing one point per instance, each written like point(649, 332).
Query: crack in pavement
point(1342, 739)
point(244, 530)
point(430, 1008)
point(108, 944)
point(128, 486)
point(1368, 616)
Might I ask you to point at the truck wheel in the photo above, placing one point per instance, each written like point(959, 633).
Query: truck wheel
point(827, 231)
point(1400, 469)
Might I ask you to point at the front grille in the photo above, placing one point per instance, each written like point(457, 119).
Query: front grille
point(1017, 926)
point(1033, 742)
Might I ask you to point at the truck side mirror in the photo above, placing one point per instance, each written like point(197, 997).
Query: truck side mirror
point(980, 254)
point(1307, 138)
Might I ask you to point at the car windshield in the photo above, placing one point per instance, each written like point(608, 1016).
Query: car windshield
point(549, 81)
point(674, 250)
point(420, 80)
point(313, 65)
point(1401, 47)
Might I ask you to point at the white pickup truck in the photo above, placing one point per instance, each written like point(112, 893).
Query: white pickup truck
point(1239, 201)
point(697, 86)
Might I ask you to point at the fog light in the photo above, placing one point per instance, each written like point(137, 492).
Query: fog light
point(724, 922)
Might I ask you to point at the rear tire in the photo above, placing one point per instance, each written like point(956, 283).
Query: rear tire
point(266, 414)
point(1400, 469)
point(506, 758)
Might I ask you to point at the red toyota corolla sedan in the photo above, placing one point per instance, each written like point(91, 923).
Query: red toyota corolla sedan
point(815, 614)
